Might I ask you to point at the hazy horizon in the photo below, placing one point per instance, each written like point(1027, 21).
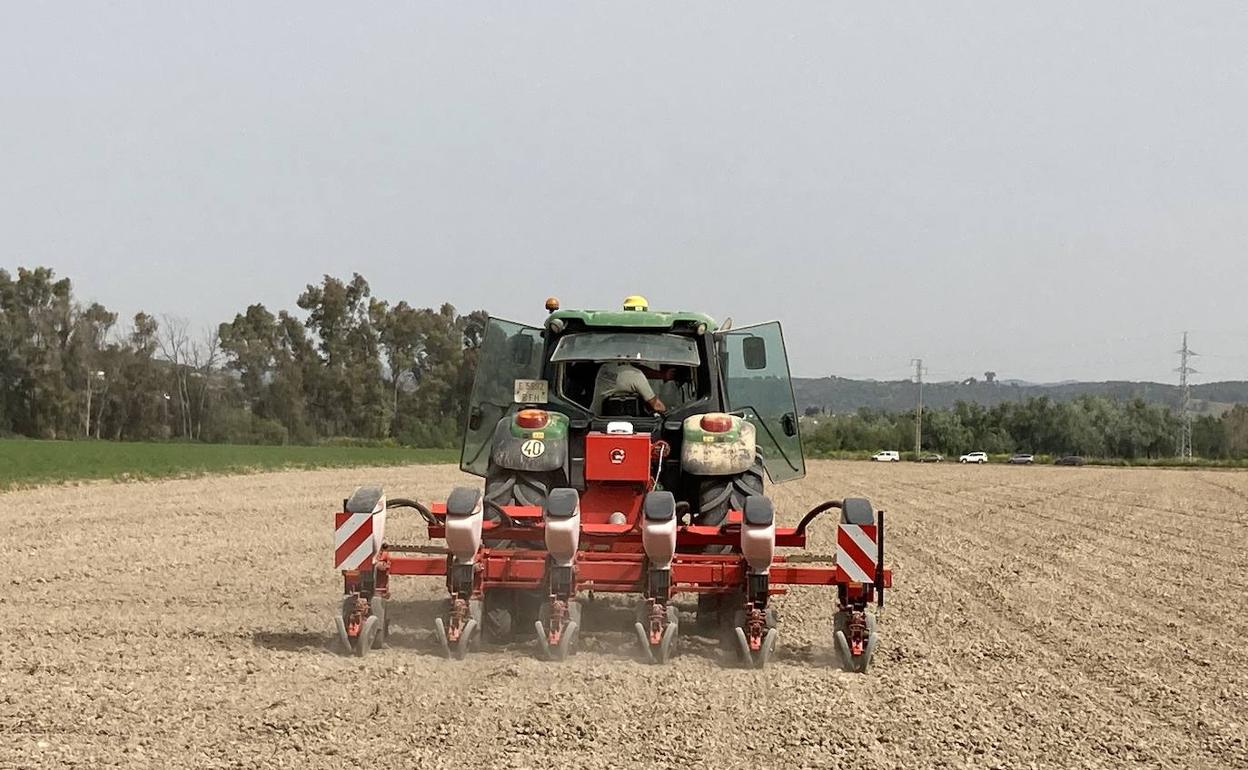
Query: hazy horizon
point(1050, 192)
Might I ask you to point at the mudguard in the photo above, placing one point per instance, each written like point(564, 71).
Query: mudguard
point(534, 451)
point(717, 454)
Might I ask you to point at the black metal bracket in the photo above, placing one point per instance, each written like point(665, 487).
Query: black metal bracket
point(757, 591)
point(559, 580)
point(462, 578)
point(879, 560)
point(660, 584)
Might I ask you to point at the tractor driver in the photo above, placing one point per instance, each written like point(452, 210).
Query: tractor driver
point(621, 378)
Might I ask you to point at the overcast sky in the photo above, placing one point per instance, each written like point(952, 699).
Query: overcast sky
point(1052, 190)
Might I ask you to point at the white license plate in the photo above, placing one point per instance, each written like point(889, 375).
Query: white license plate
point(531, 391)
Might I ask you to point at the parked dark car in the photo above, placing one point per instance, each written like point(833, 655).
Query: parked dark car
point(931, 457)
point(1069, 460)
point(1021, 458)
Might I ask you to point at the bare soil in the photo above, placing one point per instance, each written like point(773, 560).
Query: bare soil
point(1042, 617)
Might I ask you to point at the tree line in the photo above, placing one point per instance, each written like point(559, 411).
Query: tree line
point(1092, 426)
point(346, 364)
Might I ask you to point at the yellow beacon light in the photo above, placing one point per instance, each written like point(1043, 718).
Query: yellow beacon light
point(636, 302)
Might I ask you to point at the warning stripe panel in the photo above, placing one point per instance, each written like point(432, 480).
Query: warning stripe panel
point(855, 552)
point(347, 524)
point(362, 536)
point(353, 541)
point(360, 558)
point(863, 539)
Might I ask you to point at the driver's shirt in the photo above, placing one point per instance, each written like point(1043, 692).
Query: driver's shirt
point(617, 377)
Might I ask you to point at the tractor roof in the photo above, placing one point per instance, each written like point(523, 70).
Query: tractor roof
point(636, 319)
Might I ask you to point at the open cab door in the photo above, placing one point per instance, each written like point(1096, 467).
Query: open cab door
point(757, 385)
point(509, 371)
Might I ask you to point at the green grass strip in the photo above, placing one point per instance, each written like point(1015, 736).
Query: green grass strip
point(29, 463)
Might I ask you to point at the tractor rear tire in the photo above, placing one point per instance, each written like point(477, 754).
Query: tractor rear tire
point(717, 495)
point(509, 609)
point(508, 487)
point(497, 626)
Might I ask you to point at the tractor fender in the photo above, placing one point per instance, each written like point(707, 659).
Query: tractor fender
point(527, 452)
point(728, 453)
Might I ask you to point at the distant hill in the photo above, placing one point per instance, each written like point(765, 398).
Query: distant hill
point(838, 394)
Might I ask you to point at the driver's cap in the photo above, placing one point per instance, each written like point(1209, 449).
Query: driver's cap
point(636, 302)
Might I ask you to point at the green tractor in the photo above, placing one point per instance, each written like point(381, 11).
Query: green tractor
point(728, 418)
point(729, 414)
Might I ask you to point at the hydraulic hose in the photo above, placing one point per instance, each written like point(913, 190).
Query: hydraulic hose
point(403, 502)
point(818, 509)
point(506, 520)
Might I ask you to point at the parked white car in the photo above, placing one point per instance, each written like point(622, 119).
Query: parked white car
point(974, 457)
point(884, 456)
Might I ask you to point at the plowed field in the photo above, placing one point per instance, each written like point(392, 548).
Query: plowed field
point(1041, 617)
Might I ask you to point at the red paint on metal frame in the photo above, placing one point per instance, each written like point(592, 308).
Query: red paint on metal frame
point(619, 572)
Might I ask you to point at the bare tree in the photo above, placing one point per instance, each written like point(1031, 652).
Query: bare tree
point(203, 361)
point(174, 345)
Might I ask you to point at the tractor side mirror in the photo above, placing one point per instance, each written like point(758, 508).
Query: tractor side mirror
point(788, 424)
point(474, 418)
point(521, 349)
point(754, 353)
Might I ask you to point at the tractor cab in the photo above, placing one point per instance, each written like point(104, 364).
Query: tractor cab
point(587, 364)
point(692, 366)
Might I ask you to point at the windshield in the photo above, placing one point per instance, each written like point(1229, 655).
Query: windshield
point(627, 346)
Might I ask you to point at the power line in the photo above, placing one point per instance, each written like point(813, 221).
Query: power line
point(1185, 429)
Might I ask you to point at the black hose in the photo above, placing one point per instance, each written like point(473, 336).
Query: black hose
point(432, 518)
point(810, 516)
point(506, 520)
point(403, 502)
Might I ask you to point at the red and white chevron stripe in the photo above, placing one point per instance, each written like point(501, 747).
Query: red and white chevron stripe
point(358, 538)
point(855, 553)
